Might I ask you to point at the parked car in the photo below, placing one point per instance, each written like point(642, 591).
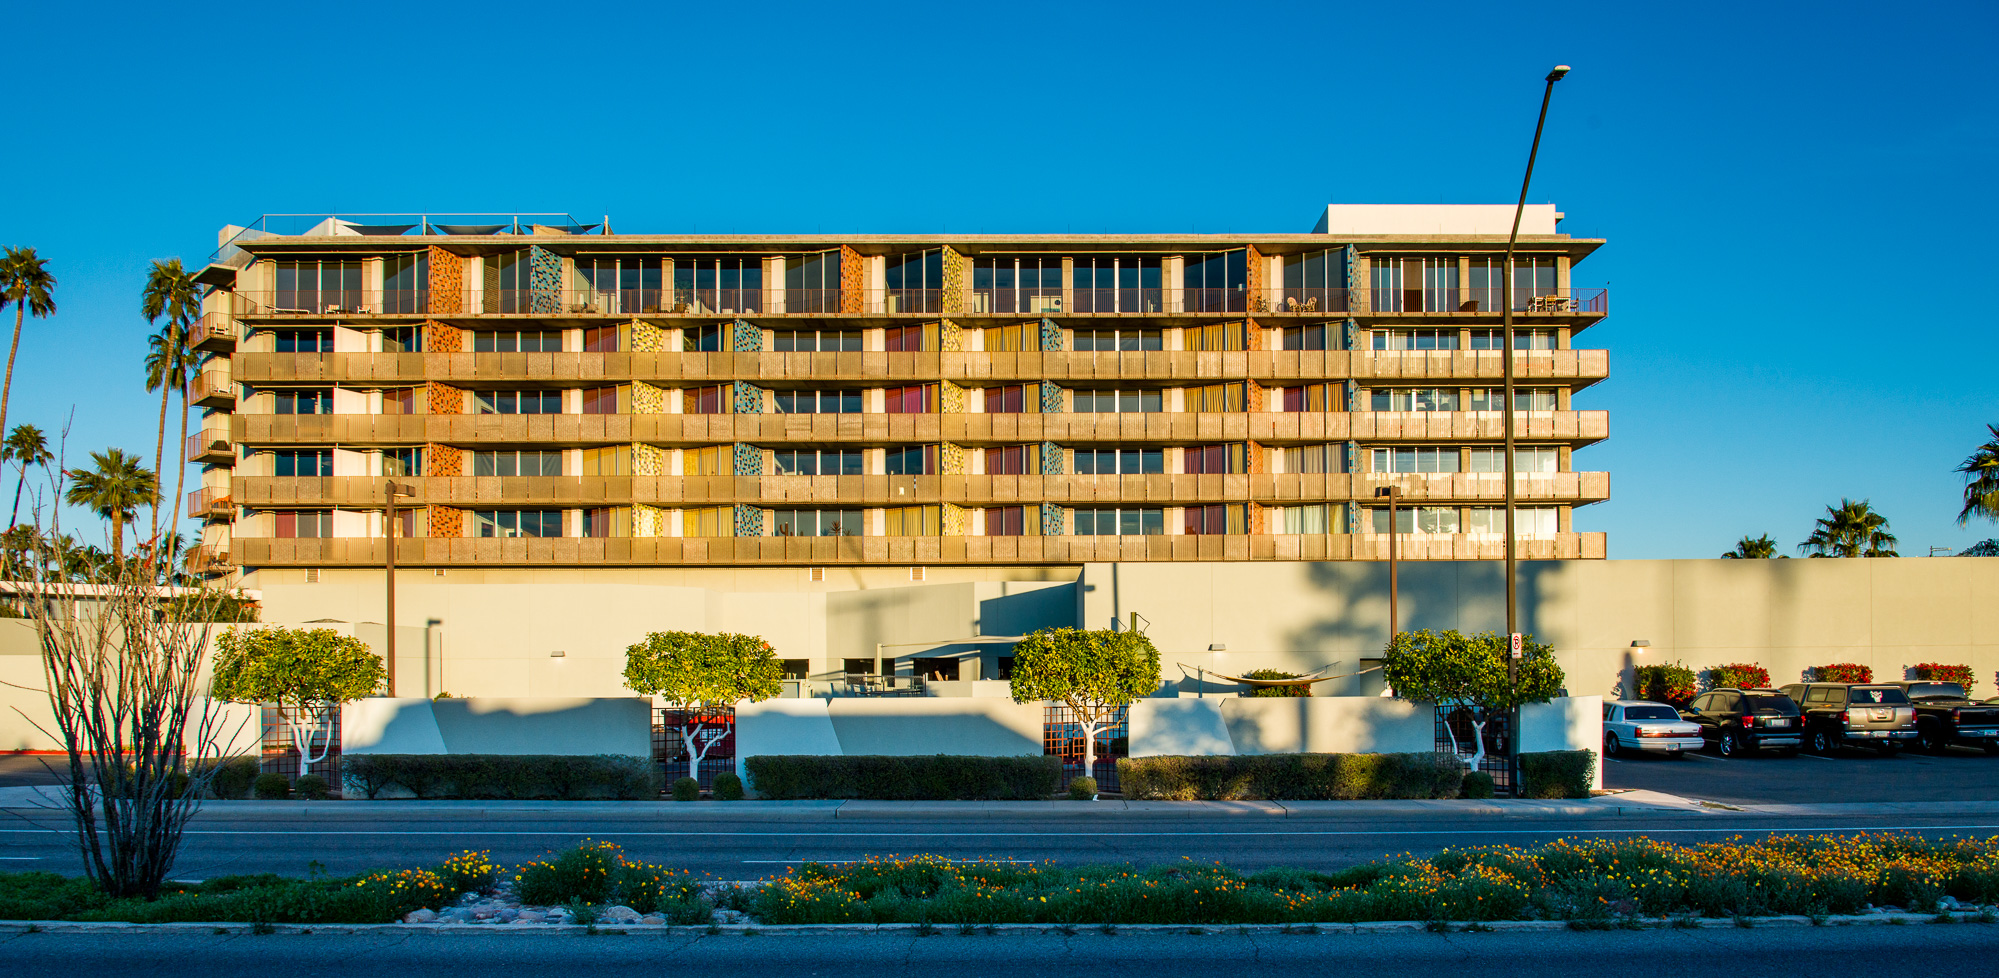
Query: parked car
point(1643, 725)
point(1739, 720)
point(1945, 716)
point(1877, 715)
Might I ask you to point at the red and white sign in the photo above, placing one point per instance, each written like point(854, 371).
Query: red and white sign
point(1516, 645)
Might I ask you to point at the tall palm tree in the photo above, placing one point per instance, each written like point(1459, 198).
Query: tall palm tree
point(1757, 548)
point(1981, 480)
point(171, 292)
point(25, 446)
point(1851, 529)
point(24, 281)
point(114, 490)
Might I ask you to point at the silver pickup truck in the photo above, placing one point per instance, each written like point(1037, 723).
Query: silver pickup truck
point(1855, 714)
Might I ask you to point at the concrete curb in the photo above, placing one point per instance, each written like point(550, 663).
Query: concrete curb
point(18, 927)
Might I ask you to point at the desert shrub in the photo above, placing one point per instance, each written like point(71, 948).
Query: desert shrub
point(686, 789)
point(233, 776)
point(1739, 676)
point(933, 777)
point(1291, 776)
point(1941, 673)
point(502, 776)
point(1275, 691)
point(273, 786)
point(1083, 788)
point(311, 787)
point(1843, 672)
point(599, 873)
point(1557, 773)
point(728, 787)
point(1478, 784)
point(1669, 682)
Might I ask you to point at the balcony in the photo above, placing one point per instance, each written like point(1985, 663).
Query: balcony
point(211, 446)
point(210, 559)
point(1589, 304)
point(214, 332)
point(210, 503)
point(211, 388)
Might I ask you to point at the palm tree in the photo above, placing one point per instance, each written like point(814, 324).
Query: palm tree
point(25, 282)
point(114, 490)
point(171, 292)
point(25, 446)
point(1981, 480)
point(1758, 548)
point(1983, 548)
point(1851, 529)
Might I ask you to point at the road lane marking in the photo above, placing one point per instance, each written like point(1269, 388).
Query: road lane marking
point(904, 834)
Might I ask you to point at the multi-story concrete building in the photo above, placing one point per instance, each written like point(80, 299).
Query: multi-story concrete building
point(561, 397)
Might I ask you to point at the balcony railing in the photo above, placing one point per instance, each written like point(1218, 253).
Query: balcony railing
point(210, 558)
point(211, 388)
point(1486, 301)
point(213, 331)
point(211, 445)
point(337, 302)
point(210, 503)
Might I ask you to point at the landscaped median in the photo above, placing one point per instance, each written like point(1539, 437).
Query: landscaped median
point(1586, 883)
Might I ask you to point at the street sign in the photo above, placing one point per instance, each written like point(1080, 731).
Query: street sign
point(1516, 645)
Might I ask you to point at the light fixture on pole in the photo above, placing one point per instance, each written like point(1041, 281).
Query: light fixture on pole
point(1392, 493)
point(1506, 400)
point(1629, 677)
point(392, 491)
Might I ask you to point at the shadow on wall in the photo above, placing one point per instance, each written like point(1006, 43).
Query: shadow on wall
point(498, 725)
point(1466, 595)
point(1026, 611)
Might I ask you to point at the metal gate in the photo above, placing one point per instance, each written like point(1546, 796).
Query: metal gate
point(279, 756)
point(1062, 736)
point(670, 753)
point(1455, 722)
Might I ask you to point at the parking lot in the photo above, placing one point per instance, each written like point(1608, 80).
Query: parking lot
point(1846, 775)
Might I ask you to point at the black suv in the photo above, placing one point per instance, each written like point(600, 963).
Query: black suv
point(1738, 720)
point(1945, 716)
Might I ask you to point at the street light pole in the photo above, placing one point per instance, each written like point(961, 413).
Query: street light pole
point(391, 491)
point(1506, 406)
point(1394, 583)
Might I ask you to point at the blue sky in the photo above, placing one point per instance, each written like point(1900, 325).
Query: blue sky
point(1798, 197)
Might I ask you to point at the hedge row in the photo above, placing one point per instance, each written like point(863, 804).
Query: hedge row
point(938, 777)
point(1294, 776)
point(1557, 774)
point(504, 776)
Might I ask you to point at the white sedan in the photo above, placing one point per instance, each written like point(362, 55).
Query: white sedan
point(1643, 725)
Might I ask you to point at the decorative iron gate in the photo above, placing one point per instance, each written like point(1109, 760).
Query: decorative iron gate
point(1454, 731)
point(278, 755)
point(1062, 736)
point(717, 732)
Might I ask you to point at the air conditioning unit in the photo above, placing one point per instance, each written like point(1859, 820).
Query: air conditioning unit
point(916, 573)
point(312, 575)
point(815, 574)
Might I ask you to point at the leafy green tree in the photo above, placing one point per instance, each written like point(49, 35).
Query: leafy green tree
point(692, 670)
point(1981, 480)
point(1983, 548)
point(114, 490)
point(24, 281)
point(1753, 548)
point(25, 446)
point(1851, 529)
point(1095, 671)
point(170, 291)
point(1450, 669)
point(228, 608)
point(308, 672)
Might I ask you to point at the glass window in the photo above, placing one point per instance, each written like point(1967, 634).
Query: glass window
point(912, 521)
point(517, 341)
point(1533, 275)
point(1421, 399)
point(1116, 283)
point(1415, 339)
point(812, 282)
point(609, 460)
point(1120, 522)
point(305, 402)
point(1312, 397)
point(1012, 521)
point(1528, 521)
point(1772, 705)
point(1118, 402)
point(1523, 339)
point(1214, 518)
point(1415, 284)
point(727, 285)
point(302, 462)
point(816, 341)
point(616, 284)
point(1314, 518)
point(1651, 713)
point(1416, 519)
point(1118, 340)
point(1309, 337)
point(818, 522)
point(1531, 459)
point(402, 339)
point(818, 402)
point(516, 463)
point(819, 461)
point(517, 402)
point(910, 400)
point(517, 522)
point(1011, 284)
point(1215, 282)
point(402, 462)
point(713, 399)
point(303, 340)
point(1013, 460)
point(607, 400)
point(607, 521)
point(1314, 458)
point(1877, 696)
point(1315, 281)
point(1524, 399)
point(701, 339)
point(1120, 461)
point(303, 524)
point(1012, 399)
point(1415, 460)
point(911, 460)
point(914, 281)
point(319, 285)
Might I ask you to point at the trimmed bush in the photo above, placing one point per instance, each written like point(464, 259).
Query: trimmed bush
point(311, 787)
point(1671, 683)
point(509, 777)
point(1083, 789)
point(686, 789)
point(1275, 691)
point(1938, 672)
point(1557, 773)
point(1843, 672)
point(1291, 776)
point(1739, 675)
point(233, 777)
point(271, 787)
point(1478, 784)
point(938, 777)
point(728, 787)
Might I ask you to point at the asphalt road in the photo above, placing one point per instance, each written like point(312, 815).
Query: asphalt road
point(220, 842)
point(1846, 775)
point(1920, 949)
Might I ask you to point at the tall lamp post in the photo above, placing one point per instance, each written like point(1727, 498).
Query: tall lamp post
point(1392, 493)
point(393, 492)
point(1507, 405)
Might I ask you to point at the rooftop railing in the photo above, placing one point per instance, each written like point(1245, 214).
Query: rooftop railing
point(351, 225)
